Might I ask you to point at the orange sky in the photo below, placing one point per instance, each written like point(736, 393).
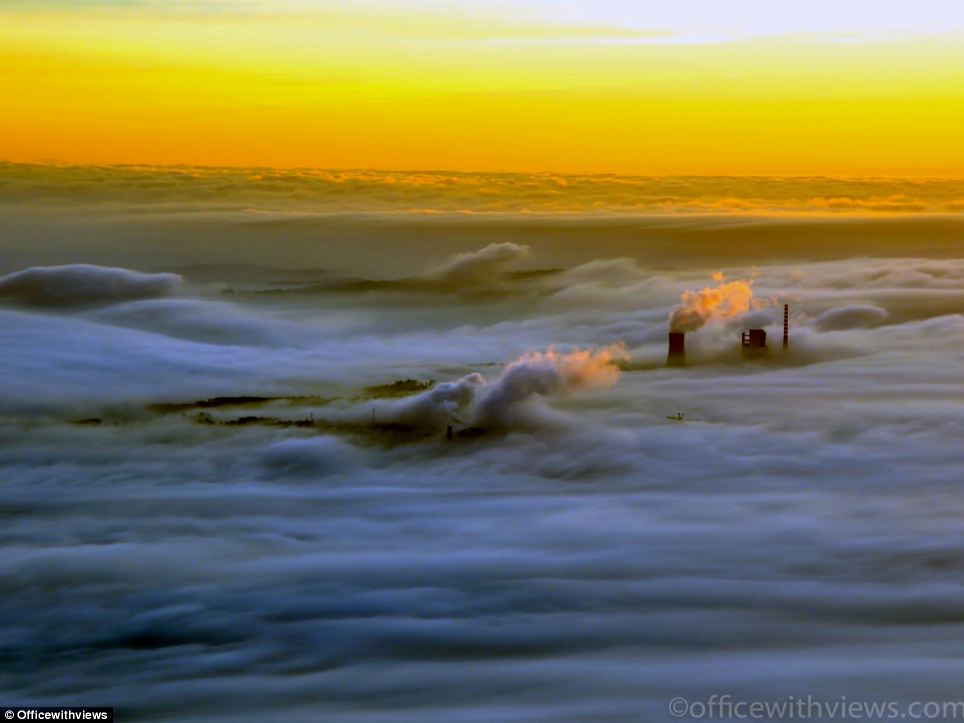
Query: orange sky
point(365, 86)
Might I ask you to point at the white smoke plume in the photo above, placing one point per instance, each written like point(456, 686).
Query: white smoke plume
point(475, 401)
point(544, 373)
point(725, 301)
point(440, 405)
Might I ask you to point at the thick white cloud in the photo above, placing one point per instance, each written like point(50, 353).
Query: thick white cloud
point(206, 321)
point(850, 317)
point(310, 458)
point(799, 534)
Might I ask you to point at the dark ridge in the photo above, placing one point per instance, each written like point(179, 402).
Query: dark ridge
point(227, 401)
point(205, 418)
point(399, 388)
point(214, 402)
point(91, 421)
point(270, 421)
point(526, 274)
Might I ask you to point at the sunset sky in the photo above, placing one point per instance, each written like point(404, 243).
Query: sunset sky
point(690, 87)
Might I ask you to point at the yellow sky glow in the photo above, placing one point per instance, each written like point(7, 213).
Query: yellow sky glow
point(328, 85)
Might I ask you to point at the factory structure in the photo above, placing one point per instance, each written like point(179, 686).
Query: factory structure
point(676, 356)
point(753, 342)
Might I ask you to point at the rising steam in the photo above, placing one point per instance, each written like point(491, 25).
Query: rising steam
point(725, 301)
point(476, 401)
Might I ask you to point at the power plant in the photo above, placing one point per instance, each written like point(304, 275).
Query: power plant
point(753, 343)
point(676, 355)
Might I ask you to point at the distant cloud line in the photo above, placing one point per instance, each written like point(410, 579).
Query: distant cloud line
point(451, 191)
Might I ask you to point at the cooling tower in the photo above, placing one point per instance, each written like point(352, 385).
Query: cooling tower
point(676, 354)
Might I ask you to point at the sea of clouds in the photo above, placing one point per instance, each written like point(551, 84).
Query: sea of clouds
point(586, 558)
point(439, 191)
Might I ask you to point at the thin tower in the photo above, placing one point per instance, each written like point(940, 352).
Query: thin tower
point(786, 326)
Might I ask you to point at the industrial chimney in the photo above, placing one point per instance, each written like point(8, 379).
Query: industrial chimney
point(786, 326)
point(676, 355)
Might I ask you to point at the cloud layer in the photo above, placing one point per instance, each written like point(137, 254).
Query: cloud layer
point(585, 559)
point(441, 191)
point(482, 264)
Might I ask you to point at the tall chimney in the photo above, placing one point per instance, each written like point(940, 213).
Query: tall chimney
point(676, 355)
point(786, 326)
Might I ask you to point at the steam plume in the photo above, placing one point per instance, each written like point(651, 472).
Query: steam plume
point(543, 373)
point(477, 401)
point(725, 301)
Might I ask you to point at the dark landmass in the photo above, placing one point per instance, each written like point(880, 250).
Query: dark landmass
point(399, 388)
point(247, 401)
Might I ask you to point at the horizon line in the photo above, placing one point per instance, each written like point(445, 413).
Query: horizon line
point(466, 172)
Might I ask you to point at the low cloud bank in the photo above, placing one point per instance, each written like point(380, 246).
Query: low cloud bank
point(311, 458)
point(481, 265)
point(210, 322)
point(446, 191)
point(800, 532)
point(83, 284)
point(852, 316)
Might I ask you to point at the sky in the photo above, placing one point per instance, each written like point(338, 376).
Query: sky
point(693, 87)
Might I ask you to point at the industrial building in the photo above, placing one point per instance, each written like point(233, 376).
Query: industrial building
point(753, 342)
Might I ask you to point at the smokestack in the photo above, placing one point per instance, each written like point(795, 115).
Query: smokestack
point(786, 326)
point(676, 355)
